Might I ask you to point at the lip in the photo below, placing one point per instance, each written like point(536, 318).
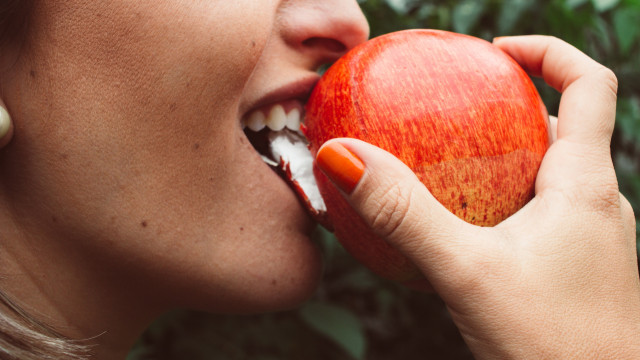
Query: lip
point(293, 94)
point(296, 90)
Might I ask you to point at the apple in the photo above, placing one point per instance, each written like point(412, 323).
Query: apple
point(462, 114)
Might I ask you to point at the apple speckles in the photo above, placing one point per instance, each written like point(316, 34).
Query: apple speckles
point(457, 110)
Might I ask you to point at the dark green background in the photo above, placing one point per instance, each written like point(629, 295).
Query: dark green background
point(355, 315)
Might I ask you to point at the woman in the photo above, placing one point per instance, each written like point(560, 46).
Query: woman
point(129, 187)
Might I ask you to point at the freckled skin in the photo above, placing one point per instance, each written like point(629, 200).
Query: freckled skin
point(459, 112)
point(128, 129)
point(130, 173)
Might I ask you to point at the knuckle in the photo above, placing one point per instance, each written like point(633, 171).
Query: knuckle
point(392, 205)
point(605, 82)
point(599, 196)
point(609, 194)
point(627, 209)
point(549, 39)
point(605, 200)
point(627, 212)
point(609, 201)
point(554, 40)
point(608, 79)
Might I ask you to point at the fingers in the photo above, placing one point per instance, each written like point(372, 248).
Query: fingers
point(629, 222)
point(580, 158)
point(587, 107)
point(395, 204)
point(553, 129)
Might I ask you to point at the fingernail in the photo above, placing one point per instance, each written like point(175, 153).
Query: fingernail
point(5, 122)
point(341, 166)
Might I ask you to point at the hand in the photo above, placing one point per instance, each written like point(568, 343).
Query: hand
point(557, 279)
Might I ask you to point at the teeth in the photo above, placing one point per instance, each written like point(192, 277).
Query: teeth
point(277, 118)
point(293, 120)
point(256, 121)
point(292, 154)
point(268, 160)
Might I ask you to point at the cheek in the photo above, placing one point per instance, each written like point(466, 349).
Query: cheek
point(144, 88)
point(127, 110)
point(142, 57)
point(133, 149)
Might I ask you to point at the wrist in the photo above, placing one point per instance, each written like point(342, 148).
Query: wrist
point(589, 339)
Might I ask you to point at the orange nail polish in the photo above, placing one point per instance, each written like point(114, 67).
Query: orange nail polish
point(341, 166)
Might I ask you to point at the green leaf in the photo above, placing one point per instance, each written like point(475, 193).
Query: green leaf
point(400, 6)
point(466, 14)
point(327, 241)
point(385, 300)
point(625, 23)
point(628, 118)
point(359, 279)
point(444, 17)
point(604, 5)
point(602, 34)
point(510, 13)
point(572, 4)
point(338, 324)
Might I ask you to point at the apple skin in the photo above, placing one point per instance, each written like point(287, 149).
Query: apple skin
point(461, 113)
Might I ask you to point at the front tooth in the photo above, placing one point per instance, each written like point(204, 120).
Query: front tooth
point(277, 118)
point(293, 120)
point(256, 121)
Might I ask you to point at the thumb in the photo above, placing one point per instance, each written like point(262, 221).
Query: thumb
point(395, 204)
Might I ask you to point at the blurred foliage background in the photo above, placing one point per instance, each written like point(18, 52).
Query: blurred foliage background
point(356, 315)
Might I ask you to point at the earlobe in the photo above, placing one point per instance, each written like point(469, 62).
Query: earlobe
point(6, 126)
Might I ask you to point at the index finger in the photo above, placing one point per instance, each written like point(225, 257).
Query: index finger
point(588, 103)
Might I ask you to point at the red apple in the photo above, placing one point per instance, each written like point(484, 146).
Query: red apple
point(462, 114)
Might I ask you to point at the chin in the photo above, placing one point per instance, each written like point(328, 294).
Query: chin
point(282, 283)
point(274, 266)
point(285, 278)
point(292, 283)
point(284, 268)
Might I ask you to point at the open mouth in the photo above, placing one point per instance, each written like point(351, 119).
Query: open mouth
point(275, 131)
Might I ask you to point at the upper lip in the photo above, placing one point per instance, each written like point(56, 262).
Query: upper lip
point(299, 90)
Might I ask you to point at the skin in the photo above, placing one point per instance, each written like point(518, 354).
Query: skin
point(558, 279)
point(129, 187)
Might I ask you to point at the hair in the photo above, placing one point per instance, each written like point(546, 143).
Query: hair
point(23, 337)
point(13, 19)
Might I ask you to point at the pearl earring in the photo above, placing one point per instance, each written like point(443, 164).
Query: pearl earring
point(5, 122)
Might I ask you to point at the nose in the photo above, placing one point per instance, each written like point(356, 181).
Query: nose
point(323, 30)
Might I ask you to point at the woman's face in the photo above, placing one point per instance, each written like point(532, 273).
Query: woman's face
point(129, 150)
